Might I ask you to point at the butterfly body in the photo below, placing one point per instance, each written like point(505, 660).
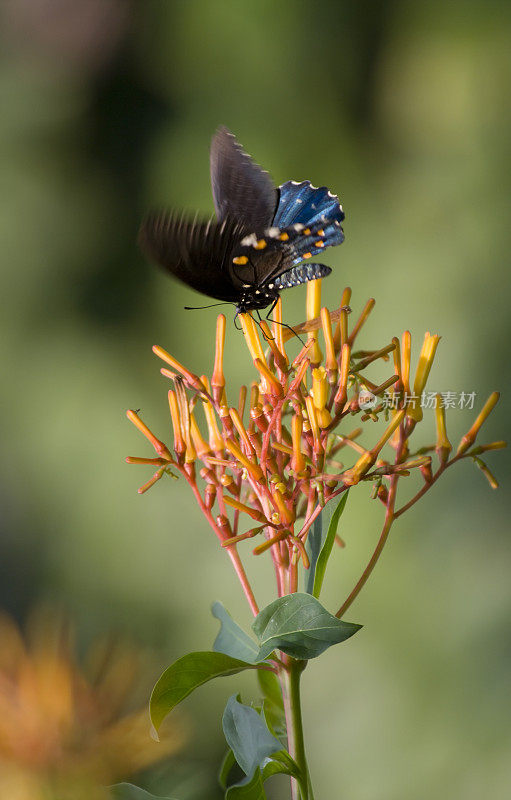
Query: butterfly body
point(258, 243)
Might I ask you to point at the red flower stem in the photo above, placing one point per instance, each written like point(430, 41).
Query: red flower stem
point(232, 552)
point(387, 525)
point(389, 519)
point(427, 486)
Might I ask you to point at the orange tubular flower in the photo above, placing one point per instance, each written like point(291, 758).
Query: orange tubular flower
point(252, 512)
point(190, 378)
point(158, 446)
point(218, 378)
point(469, 438)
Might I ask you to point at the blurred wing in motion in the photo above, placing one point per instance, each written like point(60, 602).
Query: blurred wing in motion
point(241, 189)
point(196, 252)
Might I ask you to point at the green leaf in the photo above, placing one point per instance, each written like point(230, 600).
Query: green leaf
point(281, 763)
point(232, 640)
point(300, 626)
point(270, 687)
point(273, 704)
point(313, 548)
point(126, 791)
point(225, 768)
point(245, 730)
point(248, 736)
point(320, 542)
point(252, 789)
point(326, 548)
point(186, 674)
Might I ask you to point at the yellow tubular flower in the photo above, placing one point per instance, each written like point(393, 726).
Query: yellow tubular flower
point(362, 319)
point(342, 390)
point(184, 412)
point(287, 514)
point(352, 476)
point(469, 438)
point(278, 330)
point(179, 442)
point(215, 439)
point(397, 360)
point(252, 339)
point(490, 477)
point(406, 351)
point(238, 424)
point(298, 460)
point(201, 446)
point(341, 330)
point(320, 392)
point(313, 306)
point(443, 445)
point(273, 385)
point(426, 358)
point(313, 421)
point(254, 469)
point(331, 360)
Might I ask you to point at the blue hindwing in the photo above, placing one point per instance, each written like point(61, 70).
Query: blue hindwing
point(315, 208)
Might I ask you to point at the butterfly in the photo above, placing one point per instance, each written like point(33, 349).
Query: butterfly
point(260, 240)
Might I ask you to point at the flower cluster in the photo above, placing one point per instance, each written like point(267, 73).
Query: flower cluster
point(273, 457)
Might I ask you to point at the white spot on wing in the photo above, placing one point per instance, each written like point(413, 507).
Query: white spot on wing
point(249, 241)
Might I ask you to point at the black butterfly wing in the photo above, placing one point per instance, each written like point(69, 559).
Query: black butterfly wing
point(260, 258)
point(241, 189)
point(199, 253)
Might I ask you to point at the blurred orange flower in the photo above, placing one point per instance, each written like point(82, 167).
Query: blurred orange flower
point(65, 732)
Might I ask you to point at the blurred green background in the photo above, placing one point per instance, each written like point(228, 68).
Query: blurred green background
point(403, 109)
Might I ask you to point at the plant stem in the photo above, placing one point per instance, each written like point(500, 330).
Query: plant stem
point(290, 679)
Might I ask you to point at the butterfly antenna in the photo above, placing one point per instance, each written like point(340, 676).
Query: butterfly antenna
point(199, 308)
